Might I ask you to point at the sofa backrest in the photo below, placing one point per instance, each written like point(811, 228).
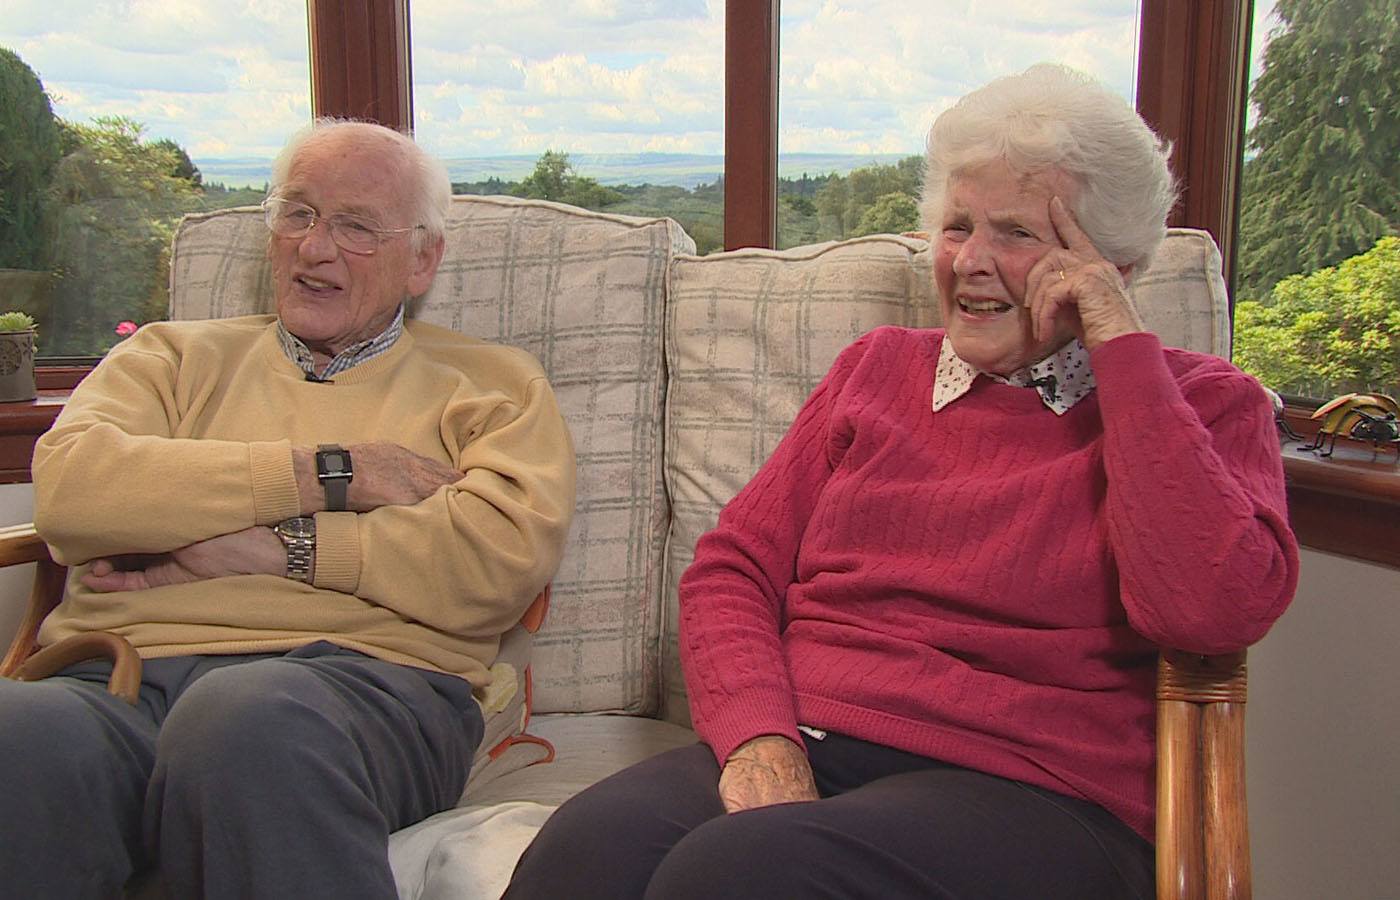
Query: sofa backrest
point(637, 336)
point(584, 292)
point(750, 333)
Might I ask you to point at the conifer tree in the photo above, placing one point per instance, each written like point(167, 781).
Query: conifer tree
point(1323, 183)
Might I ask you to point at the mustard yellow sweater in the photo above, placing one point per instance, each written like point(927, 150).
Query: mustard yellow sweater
point(185, 432)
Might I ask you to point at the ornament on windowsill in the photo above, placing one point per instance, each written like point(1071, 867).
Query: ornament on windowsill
point(16, 357)
point(1372, 418)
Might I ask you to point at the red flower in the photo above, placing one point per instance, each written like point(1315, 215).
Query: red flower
point(125, 328)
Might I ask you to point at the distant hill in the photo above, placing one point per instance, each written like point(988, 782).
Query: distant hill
point(671, 169)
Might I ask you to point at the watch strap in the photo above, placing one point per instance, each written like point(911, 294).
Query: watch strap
point(335, 471)
point(298, 535)
point(336, 489)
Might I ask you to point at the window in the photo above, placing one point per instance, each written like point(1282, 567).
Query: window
point(614, 106)
point(127, 116)
point(862, 83)
point(1317, 283)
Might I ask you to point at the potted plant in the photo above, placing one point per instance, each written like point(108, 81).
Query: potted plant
point(16, 357)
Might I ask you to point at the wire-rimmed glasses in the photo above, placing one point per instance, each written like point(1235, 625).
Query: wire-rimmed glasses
point(351, 233)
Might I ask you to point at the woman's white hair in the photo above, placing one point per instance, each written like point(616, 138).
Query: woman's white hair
point(428, 184)
point(1051, 116)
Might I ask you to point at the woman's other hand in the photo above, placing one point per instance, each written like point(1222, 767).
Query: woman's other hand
point(1076, 282)
point(765, 771)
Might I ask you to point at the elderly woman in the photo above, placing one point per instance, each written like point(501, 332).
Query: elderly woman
point(920, 644)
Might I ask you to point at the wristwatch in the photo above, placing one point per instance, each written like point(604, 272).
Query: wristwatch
point(299, 537)
point(335, 473)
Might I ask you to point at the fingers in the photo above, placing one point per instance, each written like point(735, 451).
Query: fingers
point(1050, 292)
point(749, 784)
point(113, 581)
point(765, 771)
point(1067, 227)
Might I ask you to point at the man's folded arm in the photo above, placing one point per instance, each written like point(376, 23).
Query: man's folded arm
point(110, 476)
point(469, 558)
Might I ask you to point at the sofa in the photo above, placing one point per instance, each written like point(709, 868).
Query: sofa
point(677, 374)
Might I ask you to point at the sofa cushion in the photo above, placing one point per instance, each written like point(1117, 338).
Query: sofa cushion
point(750, 333)
point(583, 292)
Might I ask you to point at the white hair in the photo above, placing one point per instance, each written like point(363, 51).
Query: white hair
point(1051, 116)
point(428, 186)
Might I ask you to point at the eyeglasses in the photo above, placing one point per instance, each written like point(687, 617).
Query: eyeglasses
point(351, 233)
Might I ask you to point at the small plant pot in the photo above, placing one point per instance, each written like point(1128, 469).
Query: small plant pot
point(17, 366)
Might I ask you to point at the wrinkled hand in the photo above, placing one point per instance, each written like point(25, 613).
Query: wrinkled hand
point(252, 551)
point(389, 475)
point(385, 475)
point(765, 771)
point(1075, 283)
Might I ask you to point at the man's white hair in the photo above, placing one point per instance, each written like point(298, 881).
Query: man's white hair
point(1051, 116)
point(428, 186)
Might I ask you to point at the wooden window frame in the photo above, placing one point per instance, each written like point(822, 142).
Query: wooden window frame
point(1192, 84)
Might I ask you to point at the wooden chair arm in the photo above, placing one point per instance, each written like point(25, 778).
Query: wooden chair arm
point(1202, 823)
point(25, 661)
point(20, 544)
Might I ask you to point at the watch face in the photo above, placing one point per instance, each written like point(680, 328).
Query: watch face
point(333, 463)
point(301, 526)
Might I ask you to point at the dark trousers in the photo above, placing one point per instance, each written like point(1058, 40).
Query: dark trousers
point(890, 825)
point(234, 776)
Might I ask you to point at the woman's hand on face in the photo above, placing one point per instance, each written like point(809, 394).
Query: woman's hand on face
point(1075, 282)
point(765, 771)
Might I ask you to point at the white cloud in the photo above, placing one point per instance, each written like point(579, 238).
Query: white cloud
point(493, 77)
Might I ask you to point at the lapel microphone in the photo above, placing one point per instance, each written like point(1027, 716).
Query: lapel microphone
point(1049, 383)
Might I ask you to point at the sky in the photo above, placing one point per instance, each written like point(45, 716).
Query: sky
point(229, 78)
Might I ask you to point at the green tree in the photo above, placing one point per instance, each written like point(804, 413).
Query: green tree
point(1323, 183)
point(554, 178)
point(1333, 331)
point(889, 214)
point(29, 151)
point(113, 205)
point(184, 166)
point(843, 201)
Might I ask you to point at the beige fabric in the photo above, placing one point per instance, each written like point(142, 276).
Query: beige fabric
point(584, 293)
point(750, 333)
point(1182, 296)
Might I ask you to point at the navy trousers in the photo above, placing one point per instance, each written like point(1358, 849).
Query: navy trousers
point(234, 776)
point(889, 825)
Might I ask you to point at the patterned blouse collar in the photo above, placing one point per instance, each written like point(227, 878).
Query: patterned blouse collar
point(348, 358)
point(1062, 379)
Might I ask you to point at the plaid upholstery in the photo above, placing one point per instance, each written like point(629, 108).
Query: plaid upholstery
point(1181, 296)
point(584, 293)
point(750, 333)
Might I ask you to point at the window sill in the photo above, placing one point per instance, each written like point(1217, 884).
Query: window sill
point(21, 423)
point(1347, 504)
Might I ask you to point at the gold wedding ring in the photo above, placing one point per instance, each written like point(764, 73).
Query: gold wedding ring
point(1062, 274)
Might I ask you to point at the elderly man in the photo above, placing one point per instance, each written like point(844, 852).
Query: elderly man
point(314, 528)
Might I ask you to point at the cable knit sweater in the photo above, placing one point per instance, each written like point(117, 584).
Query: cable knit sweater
point(989, 584)
point(185, 432)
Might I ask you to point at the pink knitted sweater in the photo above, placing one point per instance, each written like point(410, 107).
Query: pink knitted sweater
point(989, 584)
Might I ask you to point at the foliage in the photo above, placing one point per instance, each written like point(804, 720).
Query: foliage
point(16, 321)
point(1322, 184)
point(29, 151)
point(114, 202)
point(890, 214)
point(184, 166)
point(554, 178)
point(1331, 332)
point(843, 201)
